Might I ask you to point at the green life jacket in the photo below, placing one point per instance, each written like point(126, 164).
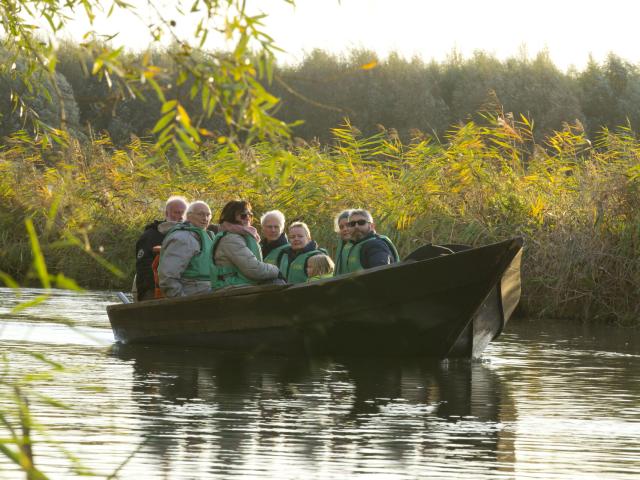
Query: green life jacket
point(272, 256)
point(342, 254)
point(199, 267)
point(227, 275)
point(296, 271)
point(320, 277)
point(354, 260)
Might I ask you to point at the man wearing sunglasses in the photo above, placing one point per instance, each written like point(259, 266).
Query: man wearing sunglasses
point(369, 248)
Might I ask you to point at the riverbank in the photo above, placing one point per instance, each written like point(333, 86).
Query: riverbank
point(576, 205)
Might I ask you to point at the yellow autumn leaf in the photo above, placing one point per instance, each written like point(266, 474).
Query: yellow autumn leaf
point(183, 116)
point(369, 66)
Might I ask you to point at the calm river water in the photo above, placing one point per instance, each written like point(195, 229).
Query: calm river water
point(550, 400)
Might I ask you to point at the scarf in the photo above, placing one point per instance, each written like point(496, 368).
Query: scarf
point(239, 229)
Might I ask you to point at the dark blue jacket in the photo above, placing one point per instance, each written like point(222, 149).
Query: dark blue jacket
point(267, 246)
point(375, 252)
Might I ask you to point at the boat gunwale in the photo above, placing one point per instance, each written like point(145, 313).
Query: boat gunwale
point(270, 288)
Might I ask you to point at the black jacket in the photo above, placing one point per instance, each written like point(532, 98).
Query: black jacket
point(144, 257)
point(375, 252)
point(267, 246)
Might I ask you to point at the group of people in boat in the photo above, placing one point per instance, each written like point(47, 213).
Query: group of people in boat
point(186, 254)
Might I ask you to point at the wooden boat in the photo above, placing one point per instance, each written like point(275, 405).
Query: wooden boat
point(437, 303)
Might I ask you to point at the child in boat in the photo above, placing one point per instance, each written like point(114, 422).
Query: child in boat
point(319, 266)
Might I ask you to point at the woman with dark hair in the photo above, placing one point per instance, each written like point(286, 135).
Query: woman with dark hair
point(237, 258)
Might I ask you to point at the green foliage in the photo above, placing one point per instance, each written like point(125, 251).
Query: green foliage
point(609, 94)
point(183, 95)
point(229, 85)
point(410, 96)
point(26, 104)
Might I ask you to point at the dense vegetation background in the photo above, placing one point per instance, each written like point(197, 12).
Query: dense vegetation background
point(408, 96)
point(469, 151)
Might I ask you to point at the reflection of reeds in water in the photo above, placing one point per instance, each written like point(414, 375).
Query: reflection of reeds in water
point(575, 204)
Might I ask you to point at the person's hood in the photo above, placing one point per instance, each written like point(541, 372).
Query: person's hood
point(153, 225)
point(312, 245)
point(165, 226)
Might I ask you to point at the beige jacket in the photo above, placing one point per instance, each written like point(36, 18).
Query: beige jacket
point(232, 250)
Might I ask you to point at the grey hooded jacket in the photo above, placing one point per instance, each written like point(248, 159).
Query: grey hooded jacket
point(177, 251)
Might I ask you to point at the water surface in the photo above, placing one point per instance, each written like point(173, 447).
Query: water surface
point(551, 399)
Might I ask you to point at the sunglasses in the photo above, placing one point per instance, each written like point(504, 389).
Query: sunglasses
point(245, 215)
point(360, 222)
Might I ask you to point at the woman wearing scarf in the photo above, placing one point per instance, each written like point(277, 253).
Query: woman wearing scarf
point(237, 258)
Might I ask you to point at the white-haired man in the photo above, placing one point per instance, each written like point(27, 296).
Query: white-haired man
point(152, 237)
point(369, 249)
point(185, 258)
point(274, 240)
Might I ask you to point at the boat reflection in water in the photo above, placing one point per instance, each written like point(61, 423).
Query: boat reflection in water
point(221, 414)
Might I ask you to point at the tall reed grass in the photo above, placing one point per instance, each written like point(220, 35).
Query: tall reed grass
point(575, 203)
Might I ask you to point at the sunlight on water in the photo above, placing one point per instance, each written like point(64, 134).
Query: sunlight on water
point(63, 306)
point(550, 400)
point(54, 333)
